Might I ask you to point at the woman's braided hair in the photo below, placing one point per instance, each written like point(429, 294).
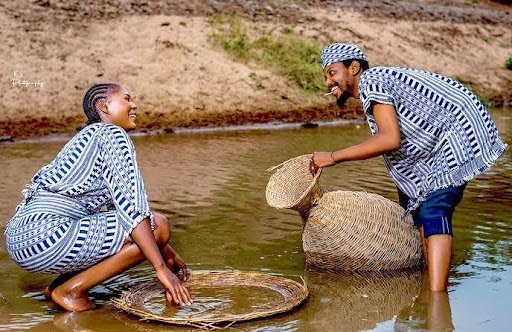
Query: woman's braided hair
point(96, 93)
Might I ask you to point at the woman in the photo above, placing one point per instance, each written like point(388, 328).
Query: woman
point(60, 226)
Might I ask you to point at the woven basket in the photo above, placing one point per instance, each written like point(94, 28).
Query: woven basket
point(344, 230)
point(286, 295)
point(293, 187)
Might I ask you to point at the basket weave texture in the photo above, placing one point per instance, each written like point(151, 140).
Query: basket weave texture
point(344, 230)
point(291, 294)
point(365, 299)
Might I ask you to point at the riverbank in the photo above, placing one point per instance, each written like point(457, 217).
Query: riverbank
point(180, 75)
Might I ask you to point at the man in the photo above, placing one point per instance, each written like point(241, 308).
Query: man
point(434, 136)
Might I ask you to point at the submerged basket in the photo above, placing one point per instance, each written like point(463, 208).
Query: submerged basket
point(285, 294)
point(365, 299)
point(344, 230)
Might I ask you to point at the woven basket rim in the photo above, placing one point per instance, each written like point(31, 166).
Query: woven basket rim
point(314, 181)
point(299, 293)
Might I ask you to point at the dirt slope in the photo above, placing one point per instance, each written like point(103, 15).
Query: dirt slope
point(162, 52)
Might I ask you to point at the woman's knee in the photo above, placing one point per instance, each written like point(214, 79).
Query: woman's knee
point(162, 229)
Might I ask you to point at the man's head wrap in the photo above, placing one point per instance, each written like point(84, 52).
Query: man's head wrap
point(340, 52)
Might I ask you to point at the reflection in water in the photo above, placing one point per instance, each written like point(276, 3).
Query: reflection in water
point(69, 321)
point(431, 311)
point(358, 302)
point(212, 187)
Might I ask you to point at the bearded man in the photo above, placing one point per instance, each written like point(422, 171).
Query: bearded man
point(432, 132)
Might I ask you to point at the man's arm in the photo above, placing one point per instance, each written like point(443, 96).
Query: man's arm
point(387, 139)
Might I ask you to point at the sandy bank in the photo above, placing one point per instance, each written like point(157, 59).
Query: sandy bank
point(163, 53)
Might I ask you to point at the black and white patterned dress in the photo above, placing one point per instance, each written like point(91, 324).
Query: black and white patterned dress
point(59, 227)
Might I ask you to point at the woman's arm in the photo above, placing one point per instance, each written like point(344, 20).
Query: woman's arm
point(124, 181)
point(142, 235)
point(387, 139)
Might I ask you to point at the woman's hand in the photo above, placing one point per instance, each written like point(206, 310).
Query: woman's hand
point(320, 160)
point(174, 262)
point(143, 236)
point(173, 286)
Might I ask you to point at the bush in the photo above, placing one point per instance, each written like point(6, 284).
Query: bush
point(508, 63)
point(290, 54)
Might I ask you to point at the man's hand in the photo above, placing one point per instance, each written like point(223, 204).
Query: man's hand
point(385, 140)
point(320, 160)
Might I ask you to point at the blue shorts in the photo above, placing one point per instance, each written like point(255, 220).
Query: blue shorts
point(435, 213)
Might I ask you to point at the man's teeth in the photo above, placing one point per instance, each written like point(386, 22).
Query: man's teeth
point(332, 90)
point(133, 116)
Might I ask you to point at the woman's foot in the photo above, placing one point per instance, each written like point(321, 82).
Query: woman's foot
point(47, 292)
point(57, 282)
point(71, 301)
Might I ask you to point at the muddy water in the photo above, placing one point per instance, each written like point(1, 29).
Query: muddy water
point(211, 186)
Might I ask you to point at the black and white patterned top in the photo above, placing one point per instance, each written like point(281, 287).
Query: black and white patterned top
point(447, 135)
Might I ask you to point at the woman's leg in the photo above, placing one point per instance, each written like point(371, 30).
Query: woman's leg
point(57, 282)
point(72, 294)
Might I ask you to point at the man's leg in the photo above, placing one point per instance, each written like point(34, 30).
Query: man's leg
point(439, 249)
point(424, 247)
point(439, 312)
point(435, 214)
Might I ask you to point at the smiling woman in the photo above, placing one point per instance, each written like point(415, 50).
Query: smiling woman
point(110, 103)
point(86, 215)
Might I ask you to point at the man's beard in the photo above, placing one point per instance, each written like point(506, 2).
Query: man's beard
point(345, 95)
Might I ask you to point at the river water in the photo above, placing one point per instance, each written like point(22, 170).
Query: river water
point(211, 186)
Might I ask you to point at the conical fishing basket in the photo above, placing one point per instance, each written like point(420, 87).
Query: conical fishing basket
point(293, 186)
point(261, 295)
point(345, 230)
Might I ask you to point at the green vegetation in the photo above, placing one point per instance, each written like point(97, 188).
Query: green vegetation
point(258, 80)
point(508, 63)
point(289, 54)
point(485, 99)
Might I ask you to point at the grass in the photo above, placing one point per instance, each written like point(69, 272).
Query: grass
point(258, 80)
point(508, 63)
point(289, 53)
point(485, 99)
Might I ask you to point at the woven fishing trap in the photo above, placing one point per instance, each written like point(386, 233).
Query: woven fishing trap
point(344, 230)
point(215, 307)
